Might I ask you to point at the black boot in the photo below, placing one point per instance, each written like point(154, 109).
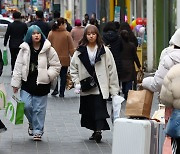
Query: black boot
point(92, 137)
point(98, 136)
point(2, 127)
point(54, 93)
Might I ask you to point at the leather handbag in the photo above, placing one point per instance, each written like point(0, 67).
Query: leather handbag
point(88, 84)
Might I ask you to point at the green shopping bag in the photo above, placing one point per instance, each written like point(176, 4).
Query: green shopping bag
point(5, 57)
point(2, 96)
point(15, 111)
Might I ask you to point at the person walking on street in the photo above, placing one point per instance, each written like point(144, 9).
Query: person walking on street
point(41, 23)
point(93, 20)
point(15, 34)
point(56, 15)
point(85, 20)
point(36, 67)
point(169, 96)
point(168, 58)
point(77, 32)
point(113, 40)
point(127, 72)
point(62, 42)
point(94, 62)
point(133, 39)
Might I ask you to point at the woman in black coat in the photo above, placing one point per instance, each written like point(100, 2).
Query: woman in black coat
point(128, 57)
point(113, 40)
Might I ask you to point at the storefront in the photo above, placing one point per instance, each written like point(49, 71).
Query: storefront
point(160, 22)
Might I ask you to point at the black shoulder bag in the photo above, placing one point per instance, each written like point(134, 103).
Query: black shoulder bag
point(87, 84)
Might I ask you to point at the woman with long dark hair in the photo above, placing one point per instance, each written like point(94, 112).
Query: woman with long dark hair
point(128, 58)
point(93, 60)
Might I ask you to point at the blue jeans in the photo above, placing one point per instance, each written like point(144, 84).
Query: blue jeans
point(35, 110)
point(173, 125)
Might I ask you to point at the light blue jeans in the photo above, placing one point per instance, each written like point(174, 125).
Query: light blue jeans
point(35, 110)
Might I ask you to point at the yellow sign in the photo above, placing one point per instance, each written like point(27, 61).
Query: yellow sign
point(15, 2)
point(68, 15)
point(47, 5)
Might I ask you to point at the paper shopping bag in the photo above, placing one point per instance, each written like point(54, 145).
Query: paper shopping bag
point(15, 111)
point(5, 57)
point(139, 103)
point(2, 96)
point(69, 82)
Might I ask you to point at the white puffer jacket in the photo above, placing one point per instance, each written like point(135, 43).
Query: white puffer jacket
point(171, 58)
point(170, 91)
point(48, 65)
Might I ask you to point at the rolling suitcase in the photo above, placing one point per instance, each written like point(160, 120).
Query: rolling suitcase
point(134, 136)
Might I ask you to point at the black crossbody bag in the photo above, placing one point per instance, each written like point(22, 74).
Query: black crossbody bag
point(88, 84)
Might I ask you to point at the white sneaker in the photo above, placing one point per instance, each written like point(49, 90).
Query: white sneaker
point(30, 131)
point(37, 137)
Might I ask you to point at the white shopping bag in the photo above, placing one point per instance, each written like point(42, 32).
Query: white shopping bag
point(160, 114)
point(15, 111)
point(2, 96)
point(116, 104)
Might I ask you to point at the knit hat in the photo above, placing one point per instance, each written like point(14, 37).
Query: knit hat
point(31, 29)
point(175, 39)
point(77, 22)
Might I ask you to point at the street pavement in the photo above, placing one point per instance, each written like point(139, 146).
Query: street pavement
point(62, 133)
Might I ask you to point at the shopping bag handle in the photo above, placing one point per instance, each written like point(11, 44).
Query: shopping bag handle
point(15, 98)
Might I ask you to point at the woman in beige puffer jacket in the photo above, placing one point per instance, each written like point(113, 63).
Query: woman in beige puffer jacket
point(170, 97)
point(170, 90)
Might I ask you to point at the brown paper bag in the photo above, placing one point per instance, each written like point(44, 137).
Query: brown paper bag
point(139, 103)
point(69, 82)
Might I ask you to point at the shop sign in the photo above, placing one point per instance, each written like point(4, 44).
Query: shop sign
point(117, 13)
point(68, 15)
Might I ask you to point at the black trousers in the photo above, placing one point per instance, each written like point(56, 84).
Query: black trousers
point(126, 86)
point(14, 52)
point(1, 125)
point(175, 145)
point(63, 75)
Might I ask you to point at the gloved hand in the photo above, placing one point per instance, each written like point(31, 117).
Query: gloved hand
point(77, 88)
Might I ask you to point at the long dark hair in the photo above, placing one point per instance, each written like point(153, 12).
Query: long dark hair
point(125, 35)
point(60, 21)
point(91, 29)
point(132, 37)
point(109, 26)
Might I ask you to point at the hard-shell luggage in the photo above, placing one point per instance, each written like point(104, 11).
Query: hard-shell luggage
point(134, 136)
